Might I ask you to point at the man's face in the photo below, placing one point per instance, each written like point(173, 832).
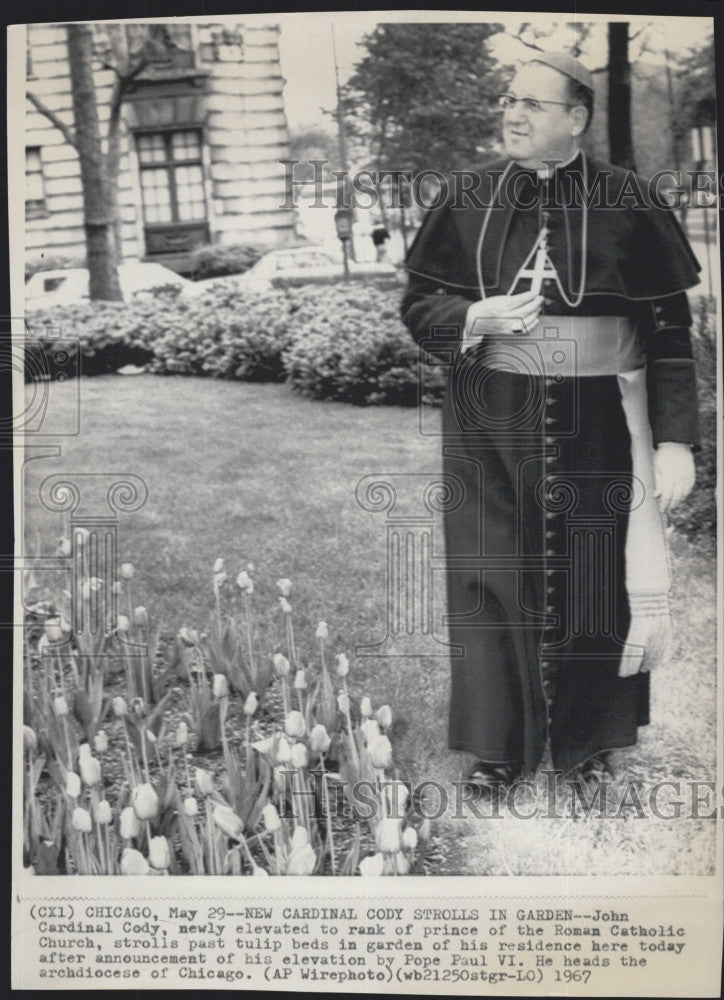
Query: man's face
point(547, 134)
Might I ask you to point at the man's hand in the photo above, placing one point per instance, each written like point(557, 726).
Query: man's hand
point(674, 473)
point(501, 314)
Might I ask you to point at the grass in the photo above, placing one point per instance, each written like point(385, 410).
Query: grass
point(255, 473)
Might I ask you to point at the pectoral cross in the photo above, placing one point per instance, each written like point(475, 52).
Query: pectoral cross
point(542, 265)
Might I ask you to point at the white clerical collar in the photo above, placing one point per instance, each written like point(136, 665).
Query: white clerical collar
point(548, 171)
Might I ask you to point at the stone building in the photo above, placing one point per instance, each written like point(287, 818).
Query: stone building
point(203, 130)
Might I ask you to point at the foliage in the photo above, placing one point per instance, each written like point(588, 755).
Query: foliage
point(269, 809)
point(108, 335)
point(224, 333)
point(423, 95)
point(312, 144)
point(697, 97)
point(696, 516)
point(373, 361)
point(214, 260)
point(338, 341)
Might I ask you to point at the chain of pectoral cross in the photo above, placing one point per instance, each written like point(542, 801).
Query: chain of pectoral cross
point(543, 267)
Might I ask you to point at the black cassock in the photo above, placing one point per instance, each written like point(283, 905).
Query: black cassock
point(540, 596)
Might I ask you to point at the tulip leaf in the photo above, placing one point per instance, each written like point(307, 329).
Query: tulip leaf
point(349, 866)
point(83, 711)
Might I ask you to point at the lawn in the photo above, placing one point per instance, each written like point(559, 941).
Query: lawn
point(257, 474)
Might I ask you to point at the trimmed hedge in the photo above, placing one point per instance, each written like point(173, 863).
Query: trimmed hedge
point(215, 261)
point(342, 341)
point(349, 344)
point(223, 335)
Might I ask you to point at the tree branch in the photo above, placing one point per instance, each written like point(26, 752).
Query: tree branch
point(529, 45)
point(52, 117)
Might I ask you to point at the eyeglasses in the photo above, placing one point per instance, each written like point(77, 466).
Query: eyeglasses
point(507, 101)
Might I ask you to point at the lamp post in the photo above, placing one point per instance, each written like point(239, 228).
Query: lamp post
point(343, 225)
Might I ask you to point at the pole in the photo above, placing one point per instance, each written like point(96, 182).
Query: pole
point(342, 143)
point(346, 259)
point(705, 211)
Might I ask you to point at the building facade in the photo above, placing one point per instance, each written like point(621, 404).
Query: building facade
point(202, 131)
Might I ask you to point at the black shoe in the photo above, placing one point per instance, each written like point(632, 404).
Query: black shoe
point(592, 771)
point(490, 781)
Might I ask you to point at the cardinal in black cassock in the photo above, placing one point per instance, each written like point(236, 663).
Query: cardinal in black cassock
point(557, 569)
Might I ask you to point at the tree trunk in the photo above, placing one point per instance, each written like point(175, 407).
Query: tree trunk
point(97, 201)
point(113, 160)
point(620, 142)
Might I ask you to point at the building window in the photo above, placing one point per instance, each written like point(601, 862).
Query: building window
point(172, 190)
point(172, 178)
point(34, 187)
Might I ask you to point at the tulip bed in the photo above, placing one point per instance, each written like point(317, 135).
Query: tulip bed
point(116, 724)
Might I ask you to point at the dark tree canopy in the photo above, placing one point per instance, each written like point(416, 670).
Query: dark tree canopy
point(424, 96)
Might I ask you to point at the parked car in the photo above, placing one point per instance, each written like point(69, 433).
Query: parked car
point(67, 285)
point(301, 266)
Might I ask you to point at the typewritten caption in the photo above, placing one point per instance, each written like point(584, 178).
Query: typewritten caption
point(525, 947)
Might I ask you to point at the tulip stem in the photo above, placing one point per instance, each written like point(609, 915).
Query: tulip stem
point(130, 602)
point(327, 813)
point(67, 742)
point(303, 790)
point(101, 852)
point(290, 642)
point(85, 854)
point(213, 859)
point(142, 737)
point(247, 746)
point(243, 843)
point(188, 773)
point(380, 791)
point(217, 601)
point(130, 755)
point(353, 742)
point(247, 616)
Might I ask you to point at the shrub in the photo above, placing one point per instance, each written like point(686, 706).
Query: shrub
point(215, 261)
point(349, 344)
point(223, 334)
point(109, 335)
point(696, 517)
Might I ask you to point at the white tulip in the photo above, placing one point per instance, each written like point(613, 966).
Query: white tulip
point(387, 835)
point(294, 725)
point(372, 865)
point(269, 814)
point(72, 785)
